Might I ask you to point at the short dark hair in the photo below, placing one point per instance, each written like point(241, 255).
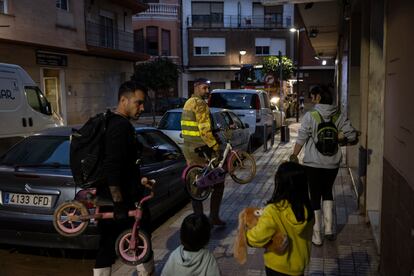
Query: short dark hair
point(195, 232)
point(324, 92)
point(201, 81)
point(129, 87)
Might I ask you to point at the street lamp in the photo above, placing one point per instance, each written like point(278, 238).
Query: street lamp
point(241, 53)
point(297, 31)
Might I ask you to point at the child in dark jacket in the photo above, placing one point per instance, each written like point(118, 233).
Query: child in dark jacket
point(289, 211)
point(191, 258)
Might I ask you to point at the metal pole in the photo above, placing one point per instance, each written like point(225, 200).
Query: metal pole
point(297, 77)
point(281, 89)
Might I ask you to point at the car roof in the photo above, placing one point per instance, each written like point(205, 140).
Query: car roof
point(67, 130)
point(212, 109)
point(249, 91)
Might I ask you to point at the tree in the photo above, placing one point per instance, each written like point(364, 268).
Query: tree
point(271, 66)
point(157, 75)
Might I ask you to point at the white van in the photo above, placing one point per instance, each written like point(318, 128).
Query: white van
point(23, 107)
point(252, 107)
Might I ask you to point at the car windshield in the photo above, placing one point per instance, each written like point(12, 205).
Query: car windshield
point(39, 151)
point(170, 121)
point(233, 100)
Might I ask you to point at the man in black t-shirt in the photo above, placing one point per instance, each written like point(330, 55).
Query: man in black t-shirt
point(121, 171)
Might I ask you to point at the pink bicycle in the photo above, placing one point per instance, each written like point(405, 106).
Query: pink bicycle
point(200, 180)
point(71, 219)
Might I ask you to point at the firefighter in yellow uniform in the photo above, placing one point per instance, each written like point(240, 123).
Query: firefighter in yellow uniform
point(196, 131)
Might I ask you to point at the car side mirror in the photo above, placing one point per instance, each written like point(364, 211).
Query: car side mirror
point(246, 125)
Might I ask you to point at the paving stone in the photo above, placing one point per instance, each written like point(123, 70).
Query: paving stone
point(353, 252)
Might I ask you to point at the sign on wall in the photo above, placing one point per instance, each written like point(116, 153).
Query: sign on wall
point(44, 58)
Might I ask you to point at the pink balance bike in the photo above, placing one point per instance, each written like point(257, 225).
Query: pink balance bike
point(199, 181)
point(71, 219)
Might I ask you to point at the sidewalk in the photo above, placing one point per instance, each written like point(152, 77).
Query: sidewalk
point(353, 253)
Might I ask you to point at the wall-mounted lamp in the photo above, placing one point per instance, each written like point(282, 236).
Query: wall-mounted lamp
point(324, 62)
point(241, 53)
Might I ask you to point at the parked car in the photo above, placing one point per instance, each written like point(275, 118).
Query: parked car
point(35, 178)
point(252, 106)
point(223, 120)
point(278, 115)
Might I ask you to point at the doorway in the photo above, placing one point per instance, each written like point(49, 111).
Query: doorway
point(52, 81)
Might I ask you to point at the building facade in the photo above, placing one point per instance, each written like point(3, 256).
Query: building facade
point(219, 37)
point(78, 52)
point(157, 32)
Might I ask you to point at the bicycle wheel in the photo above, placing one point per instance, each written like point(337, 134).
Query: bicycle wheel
point(142, 250)
point(191, 176)
point(242, 167)
point(66, 219)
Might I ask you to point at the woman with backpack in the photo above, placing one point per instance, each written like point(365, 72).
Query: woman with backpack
point(322, 131)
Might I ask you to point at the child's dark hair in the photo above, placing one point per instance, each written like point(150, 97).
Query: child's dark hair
point(195, 232)
point(324, 92)
point(291, 185)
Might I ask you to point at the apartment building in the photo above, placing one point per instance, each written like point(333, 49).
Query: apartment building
point(77, 51)
point(157, 32)
point(221, 36)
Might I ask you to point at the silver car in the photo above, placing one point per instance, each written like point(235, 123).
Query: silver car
point(35, 178)
point(225, 124)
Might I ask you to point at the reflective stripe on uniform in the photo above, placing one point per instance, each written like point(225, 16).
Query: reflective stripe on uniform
point(188, 123)
point(190, 132)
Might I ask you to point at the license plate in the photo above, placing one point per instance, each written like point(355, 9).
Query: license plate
point(28, 200)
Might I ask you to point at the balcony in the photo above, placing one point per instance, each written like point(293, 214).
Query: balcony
point(106, 36)
point(270, 21)
point(159, 10)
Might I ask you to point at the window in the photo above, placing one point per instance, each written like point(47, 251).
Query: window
point(40, 150)
point(62, 4)
point(37, 100)
point(156, 147)
point(3, 6)
point(166, 41)
point(207, 14)
point(273, 16)
point(270, 46)
point(234, 100)
point(152, 41)
point(262, 50)
point(106, 32)
point(170, 121)
point(139, 41)
point(209, 46)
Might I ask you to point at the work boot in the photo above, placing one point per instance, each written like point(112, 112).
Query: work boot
point(328, 219)
point(146, 269)
point(316, 236)
point(104, 271)
point(215, 202)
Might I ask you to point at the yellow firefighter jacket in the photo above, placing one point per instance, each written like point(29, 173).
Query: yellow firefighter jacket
point(196, 125)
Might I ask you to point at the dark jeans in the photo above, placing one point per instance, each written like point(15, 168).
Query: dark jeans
point(215, 202)
point(320, 184)
point(270, 272)
point(109, 231)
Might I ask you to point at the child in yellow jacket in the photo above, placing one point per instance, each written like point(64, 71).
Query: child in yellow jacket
point(289, 211)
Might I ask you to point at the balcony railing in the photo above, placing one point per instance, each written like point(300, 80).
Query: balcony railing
point(108, 37)
point(158, 9)
point(236, 21)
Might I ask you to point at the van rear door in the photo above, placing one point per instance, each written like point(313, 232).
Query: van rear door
point(12, 111)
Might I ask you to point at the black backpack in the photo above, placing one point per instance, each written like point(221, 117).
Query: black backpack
point(87, 150)
point(327, 134)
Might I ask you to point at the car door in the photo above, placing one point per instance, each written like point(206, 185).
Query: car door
point(240, 132)
point(162, 160)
